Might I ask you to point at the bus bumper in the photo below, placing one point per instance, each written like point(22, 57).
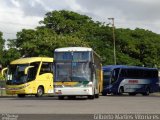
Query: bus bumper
point(73, 91)
point(13, 92)
point(18, 89)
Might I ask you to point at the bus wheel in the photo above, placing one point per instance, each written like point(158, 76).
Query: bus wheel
point(146, 93)
point(91, 97)
point(21, 95)
point(121, 90)
point(61, 97)
point(40, 92)
point(104, 93)
point(97, 95)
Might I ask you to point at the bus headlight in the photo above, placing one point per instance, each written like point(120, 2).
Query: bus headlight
point(86, 90)
point(89, 85)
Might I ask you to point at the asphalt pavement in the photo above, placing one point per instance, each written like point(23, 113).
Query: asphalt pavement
point(79, 107)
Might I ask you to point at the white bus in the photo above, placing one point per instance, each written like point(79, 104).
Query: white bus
point(78, 72)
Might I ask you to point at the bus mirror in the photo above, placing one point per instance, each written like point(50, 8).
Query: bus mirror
point(27, 68)
point(92, 66)
point(4, 71)
point(113, 74)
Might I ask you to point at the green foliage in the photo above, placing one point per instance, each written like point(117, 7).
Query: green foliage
point(65, 22)
point(66, 28)
point(1, 77)
point(10, 55)
point(43, 41)
point(1, 46)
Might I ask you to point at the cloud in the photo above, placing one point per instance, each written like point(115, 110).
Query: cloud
point(14, 16)
point(129, 9)
point(28, 7)
point(18, 14)
point(127, 13)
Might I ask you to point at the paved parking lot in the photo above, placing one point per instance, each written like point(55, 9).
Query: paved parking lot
point(105, 104)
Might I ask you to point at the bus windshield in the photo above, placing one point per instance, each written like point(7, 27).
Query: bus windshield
point(81, 71)
point(72, 56)
point(73, 71)
point(16, 74)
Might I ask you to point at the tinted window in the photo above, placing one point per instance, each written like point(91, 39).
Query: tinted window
point(80, 56)
point(138, 73)
point(46, 68)
point(115, 74)
point(33, 71)
point(63, 56)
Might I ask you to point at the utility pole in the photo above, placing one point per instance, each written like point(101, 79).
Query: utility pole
point(114, 47)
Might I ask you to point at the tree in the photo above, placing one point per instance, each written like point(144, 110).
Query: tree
point(43, 41)
point(1, 47)
point(67, 28)
point(10, 55)
point(65, 22)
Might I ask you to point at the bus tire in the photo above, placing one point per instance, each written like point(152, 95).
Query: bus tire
point(91, 97)
point(97, 95)
point(61, 97)
point(40, 91)
point(21, 95)
point(104, 93)
point(121, 91)
point(146, 93)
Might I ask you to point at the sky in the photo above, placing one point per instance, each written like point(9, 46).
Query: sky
point(16, 15)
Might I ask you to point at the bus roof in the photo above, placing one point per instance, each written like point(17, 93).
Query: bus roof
point(73, 49)
point(31, 59)
point(111, 67)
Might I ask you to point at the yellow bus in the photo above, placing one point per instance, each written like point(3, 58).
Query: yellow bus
point(29, 76)
point(77, 72)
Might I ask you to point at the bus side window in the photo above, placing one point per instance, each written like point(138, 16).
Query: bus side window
point(123, 73)
point(115, 74)
point(33, 71)
point(46, 68)
point(150, 74)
